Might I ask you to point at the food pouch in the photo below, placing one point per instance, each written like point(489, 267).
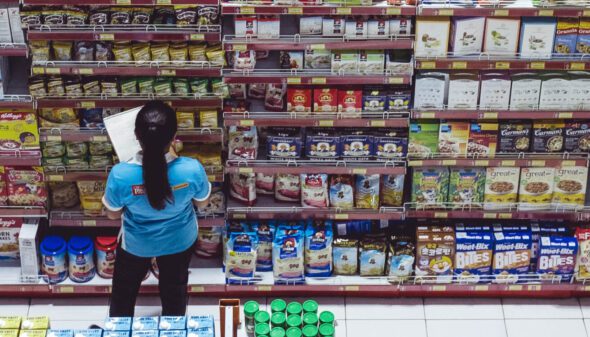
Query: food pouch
point(318, 249)
point(240, 260)
point(314, 190)
point(345, 256)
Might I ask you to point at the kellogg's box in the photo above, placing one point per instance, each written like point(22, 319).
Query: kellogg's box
point(557, 258)
point(18, 131)
point(512, 255)
point(583, 261)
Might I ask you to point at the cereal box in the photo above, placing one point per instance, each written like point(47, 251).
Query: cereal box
point(391, 145)
point(60, 333)
point(9, 248)
point(536, 188)
point(26, 187)
point(35, 323)
point(325, 100)
point(583, 42)
point(432, 36)
point(514, 137)
point(299, 100)
point(423, 139)
point(145, 323)
point(10, 322)
point(291, 59)
point(378, 27)
point(566, 36)
point(310, 25)
point(333, 26)
point(430, 186)
point(525, 91)
point(202, 321)
point(399, 99)
point(536, 37)
point(501, 35)
point(467, 35)
point(557, 258)
point(374, 99)
point(350, 101)
point(322, 144)
point(466, 186)
point(345, 61)
point(32, 333)
point(494, 92)
point(577, 137)
point(435, 254)
point(501, 187)
point(9, 332)
point(371, 62)
point(536, 232)
point(555, 91)
point(144, 333)
point(317, 59)
point(547, 136)
point(512, 255)
point(473, 258)
point(569, 186)
point(172, 333)
point(357, 145)
point(583, 261)
point(284, 144)
point(483, 139)
point(3, 191)
point(356, 28)
point(88, 333)
point(246, 25)
point(453, 138)
point(18, 131)
point(463, 91)
point(430, 91)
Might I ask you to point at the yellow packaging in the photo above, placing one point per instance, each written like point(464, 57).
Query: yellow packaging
point(179, 52)
point(59, 115)
point(122, 52)
point(18, 131)
point(9, 332)
point(196, 52)
point(33, 333)
point(501, 188)
point(9, 322)
point(141, 52)
point(216, 55)
point(570, 186)
point(91, 193)
point(208, 119)
point(186, 120)
point(207, 154)
point(35, 323)
point(160, 52)
point(453, 138)
point(536, 187)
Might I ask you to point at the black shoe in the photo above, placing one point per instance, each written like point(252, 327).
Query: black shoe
point(94, 326)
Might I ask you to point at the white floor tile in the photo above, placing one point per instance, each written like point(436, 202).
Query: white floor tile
point(334, 304)
point(385, 328)
point(585, 305)
point(148, 306)
point(453, 328)
point(545, 327)
point(74, 324)
point(69, 309)
point(384, 308)
point(14, 306)
point(463, 308)
point(541, 308)
point(340, 329)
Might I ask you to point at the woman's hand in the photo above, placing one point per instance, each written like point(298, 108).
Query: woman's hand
point(112, 215)
point(201, 204)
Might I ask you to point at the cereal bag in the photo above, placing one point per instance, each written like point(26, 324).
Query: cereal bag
point(392, 190)
point(265, 183)
point(318, 249)
point(243, 142)
point(287, 256)
point(341, 191)
point(373, 249)
point(314, 190)
point(512, 255)
point(345, 256)
point(557, 258)
point(240, 261)
point(265, 232)
point(400, 258)
point(287, 187)
point(243, 187)
point(91, 193)
point(367, 191)
point(209, 241)
point(473, 259)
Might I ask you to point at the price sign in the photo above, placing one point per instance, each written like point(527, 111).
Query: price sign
point(449, 162)
point(351, 288)
point(359, 171)
point(87, 105)
point(482, 163)
point(106, 37)
point(502, 65)
point(377, 123)
point(239, 47)
point(167, 72)
point(427, 65)
point(197, 37)
point(247, 10)
point(537, 65)
point(317, 46)
point(441, 215)
point(293, 80)
point(501, 12)
point(246, 170)
point(396, 80)
point(197, 289)
point(445, 12)
point(85, 71)
point(55, 177)
point(459, 65)
point(247, 122)
point(318, 80)
point(344, 11)
point(295, 10)
point(88, 223)
point(393, 11)
point(341, 216)
point(53, 71)
point(326, 123)
point(100, 138)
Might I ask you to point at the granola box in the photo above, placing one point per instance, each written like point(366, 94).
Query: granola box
point(483, 139)
point(473, 258)
point(514, 137)
point(18, 131)
point(423, 139)
point(325, 100)
point(453, 138)
point(501, 187)
point(536, 188)
point(466, 186)
point(577, 137)
point(548, 136)
point(512, 255)
point(566, 36)
point(570, 186)
point(583, 41)
point(435, 255)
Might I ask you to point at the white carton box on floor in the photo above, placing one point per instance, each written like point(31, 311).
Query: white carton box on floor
point(15, 25)
point(29, 260)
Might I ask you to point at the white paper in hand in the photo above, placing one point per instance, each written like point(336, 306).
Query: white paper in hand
point(121, 130)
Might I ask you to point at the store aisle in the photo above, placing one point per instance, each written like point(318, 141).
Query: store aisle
point(364, 317)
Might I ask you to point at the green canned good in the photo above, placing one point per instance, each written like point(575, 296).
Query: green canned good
point(310, 306)
point(310, 319)
point(261, 317)
point(277, 332)
point(326, 317)
point(310, 331)
point(250, 308)
point(294, 321)
point(262, 330)
point(294, 308)
point(278, 319)
point(294, 332)
point(278, 305)
point(326, 330)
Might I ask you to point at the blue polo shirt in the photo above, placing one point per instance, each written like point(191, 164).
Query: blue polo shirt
point(145, 231)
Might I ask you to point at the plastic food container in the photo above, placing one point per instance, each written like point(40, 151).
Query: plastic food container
point(53, 256)
point(81, 257)
point(105, 255)
point(250, 309)
point(310, 306)
point(278, 305)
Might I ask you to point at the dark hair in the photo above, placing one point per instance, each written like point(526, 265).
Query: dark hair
point(155, 127)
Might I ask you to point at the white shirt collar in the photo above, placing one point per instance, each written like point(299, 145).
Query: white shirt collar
point(138, 158)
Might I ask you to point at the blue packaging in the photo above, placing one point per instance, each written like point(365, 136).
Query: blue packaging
point(145, 333)
point(88, 333)
point(566, 36)
point(81, 258)
point(374, 100)
point(202, 321)
point(265, 234)
point(241, 256)
point(284, 144)
point(200, 332)
point(472, 228)
point(512, 255)
point(145, 323)
point(172, 323)
point(60, 333)
point(357, 147)
point(473, 256)
point(389, 147)
point(172, 333)
point(322, 145)
point(116, 334)
point(288, 255)
point(557, 257)
point(399, 100)
point(537, 231)
point(92, 118)
point(53, 259)
point(318, 249)
point(507, 228)
point(117, 324)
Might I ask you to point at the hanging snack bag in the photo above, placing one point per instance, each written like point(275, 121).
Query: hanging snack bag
point(318, 249)
point(208, 15)
point(287, 187)
point(512, 255)
point(208, 242)
point(400, 258)
point(266, 233)
point(274, 99)
point(243, 187)
point(367, 191)
point(345, 256)
point(185, 15)
point(256, 90)
point(314, 190)
point(287, 255)
point(557, 258)
point(392, 190)
point(265, 183)
point(342, 191)
point(64, 194)
point(26, 186)
point(240, 260)
point(91, 193)
point(583, 260)
point(473, 259)
point(373, 249)
point(243, 143)
point(244, 60)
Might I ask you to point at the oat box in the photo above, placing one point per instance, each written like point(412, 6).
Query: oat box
point(473, 258)
point(501, 187)
point(512, 256)
point(435, 255)
point(570, 186)
point(536, 188)
point(299, 100)
point(453, 138)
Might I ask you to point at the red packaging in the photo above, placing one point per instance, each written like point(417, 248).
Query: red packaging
point(3, 191)
point(350, 101)
point(105, 255)
point(325, 100)
point(26, 186)
point(298, 100)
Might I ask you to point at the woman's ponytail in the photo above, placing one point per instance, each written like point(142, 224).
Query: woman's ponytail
point(155, 128)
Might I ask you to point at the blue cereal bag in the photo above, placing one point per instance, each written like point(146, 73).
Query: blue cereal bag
point(318, 249)
point(287, 255)
point(241, 257)
point(265, 232)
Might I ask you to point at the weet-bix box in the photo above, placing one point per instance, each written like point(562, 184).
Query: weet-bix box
point(557, 258)
point(512, 255)
point(473, 256)
point(537, 231)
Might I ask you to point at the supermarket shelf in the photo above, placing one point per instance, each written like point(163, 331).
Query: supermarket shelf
point(394, 119)
point(22, 212)
point(200, 135)
point(505, 62)
point(501, 12)
point(267, 208)
point(122, 2)
point(120, 101)
point(315, 167)
point(16, 102)
point(475, 211)
point(509, 160)
point(59, 218)
point(124, 33)
point(61, 173)
point(296, 42)
point(13, 49)
point(115, 68)
point(20, 158)
point(319, 77)
point(499, 114)
point(332, 8)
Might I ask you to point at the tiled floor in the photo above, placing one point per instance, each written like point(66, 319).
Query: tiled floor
point(366, 317)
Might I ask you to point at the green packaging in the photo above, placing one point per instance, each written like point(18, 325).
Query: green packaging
point(278, 305)
point(423, 139)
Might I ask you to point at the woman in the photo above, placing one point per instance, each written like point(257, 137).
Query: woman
point(154, 194)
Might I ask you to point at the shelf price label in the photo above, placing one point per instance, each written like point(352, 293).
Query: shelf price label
point(396, 80)
point(449, 162)
point(326, 123)
point(163, 2)
point(89, 223)
point(246, 170)
point(508, 163)
point(415, 163)
point(344, 11)
point(577, 66)
point(65, 289)
point(246, 122)
point(427, 65)
point(534, 287)
point(38, 70)
point(247, 10)
point(352, 288)
point(568, 163)
point(441, 215)
point(445, 12)
point(490, 215)
point(53, 138)
point(501, 12)
point(565, 115)
point(459, 65)
point(426, 115)
point(393, 11)
point(106, 37)
point(123, 2)
point(538, 163)
point(293, 80)
point(263, 288)
point(438, 288)
point(481, 288)
point(504, 215)
point(515, 287)
point(377, 123)
point(197, 37)
point(239, 47)
point(197, 289)
point(317, 46)
point(99, 138)
point(586, 12)
point(87, 105)
point(490, 115)
point(545, 12)
point(295, 10)
point(53, 71)
point(167, 72)
point(55, 177)
point(482, 163)
point(537, 65)
point(318, 80)
point(502, 65)
point(85, 71)
point(239, 216)
point(341, 216)
point(359, 171)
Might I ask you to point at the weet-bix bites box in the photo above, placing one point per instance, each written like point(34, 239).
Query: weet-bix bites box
point(512, 255)
point(557, 258)
point(473, 256)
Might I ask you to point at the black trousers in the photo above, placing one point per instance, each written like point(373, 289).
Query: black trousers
point(130, 271)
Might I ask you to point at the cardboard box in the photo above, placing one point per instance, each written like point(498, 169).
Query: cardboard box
point(246, 25)
point(453, 138)
point(333, 26)
point(350, 101)
point(555, 92)
point(463, 91)
point(536, 37)
point(325, 100)
point(16, 29)
point(494, 92)
point(5, 35)
point(400, 26)
point(467, 35)
point(318, 59)
point(29, 261)
point(432, 36)
point(566, 36)
point(356, 29)
point(299, 100)
point(536, 188)
point(371, 62)
point(583, 41)
point(378, 28)
point(430, 91)
point(310, 25)
point(483, 140)
point(525, 91)
point(501, 187)
point(269, 27)
point(501, 36)
point(345, 61)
